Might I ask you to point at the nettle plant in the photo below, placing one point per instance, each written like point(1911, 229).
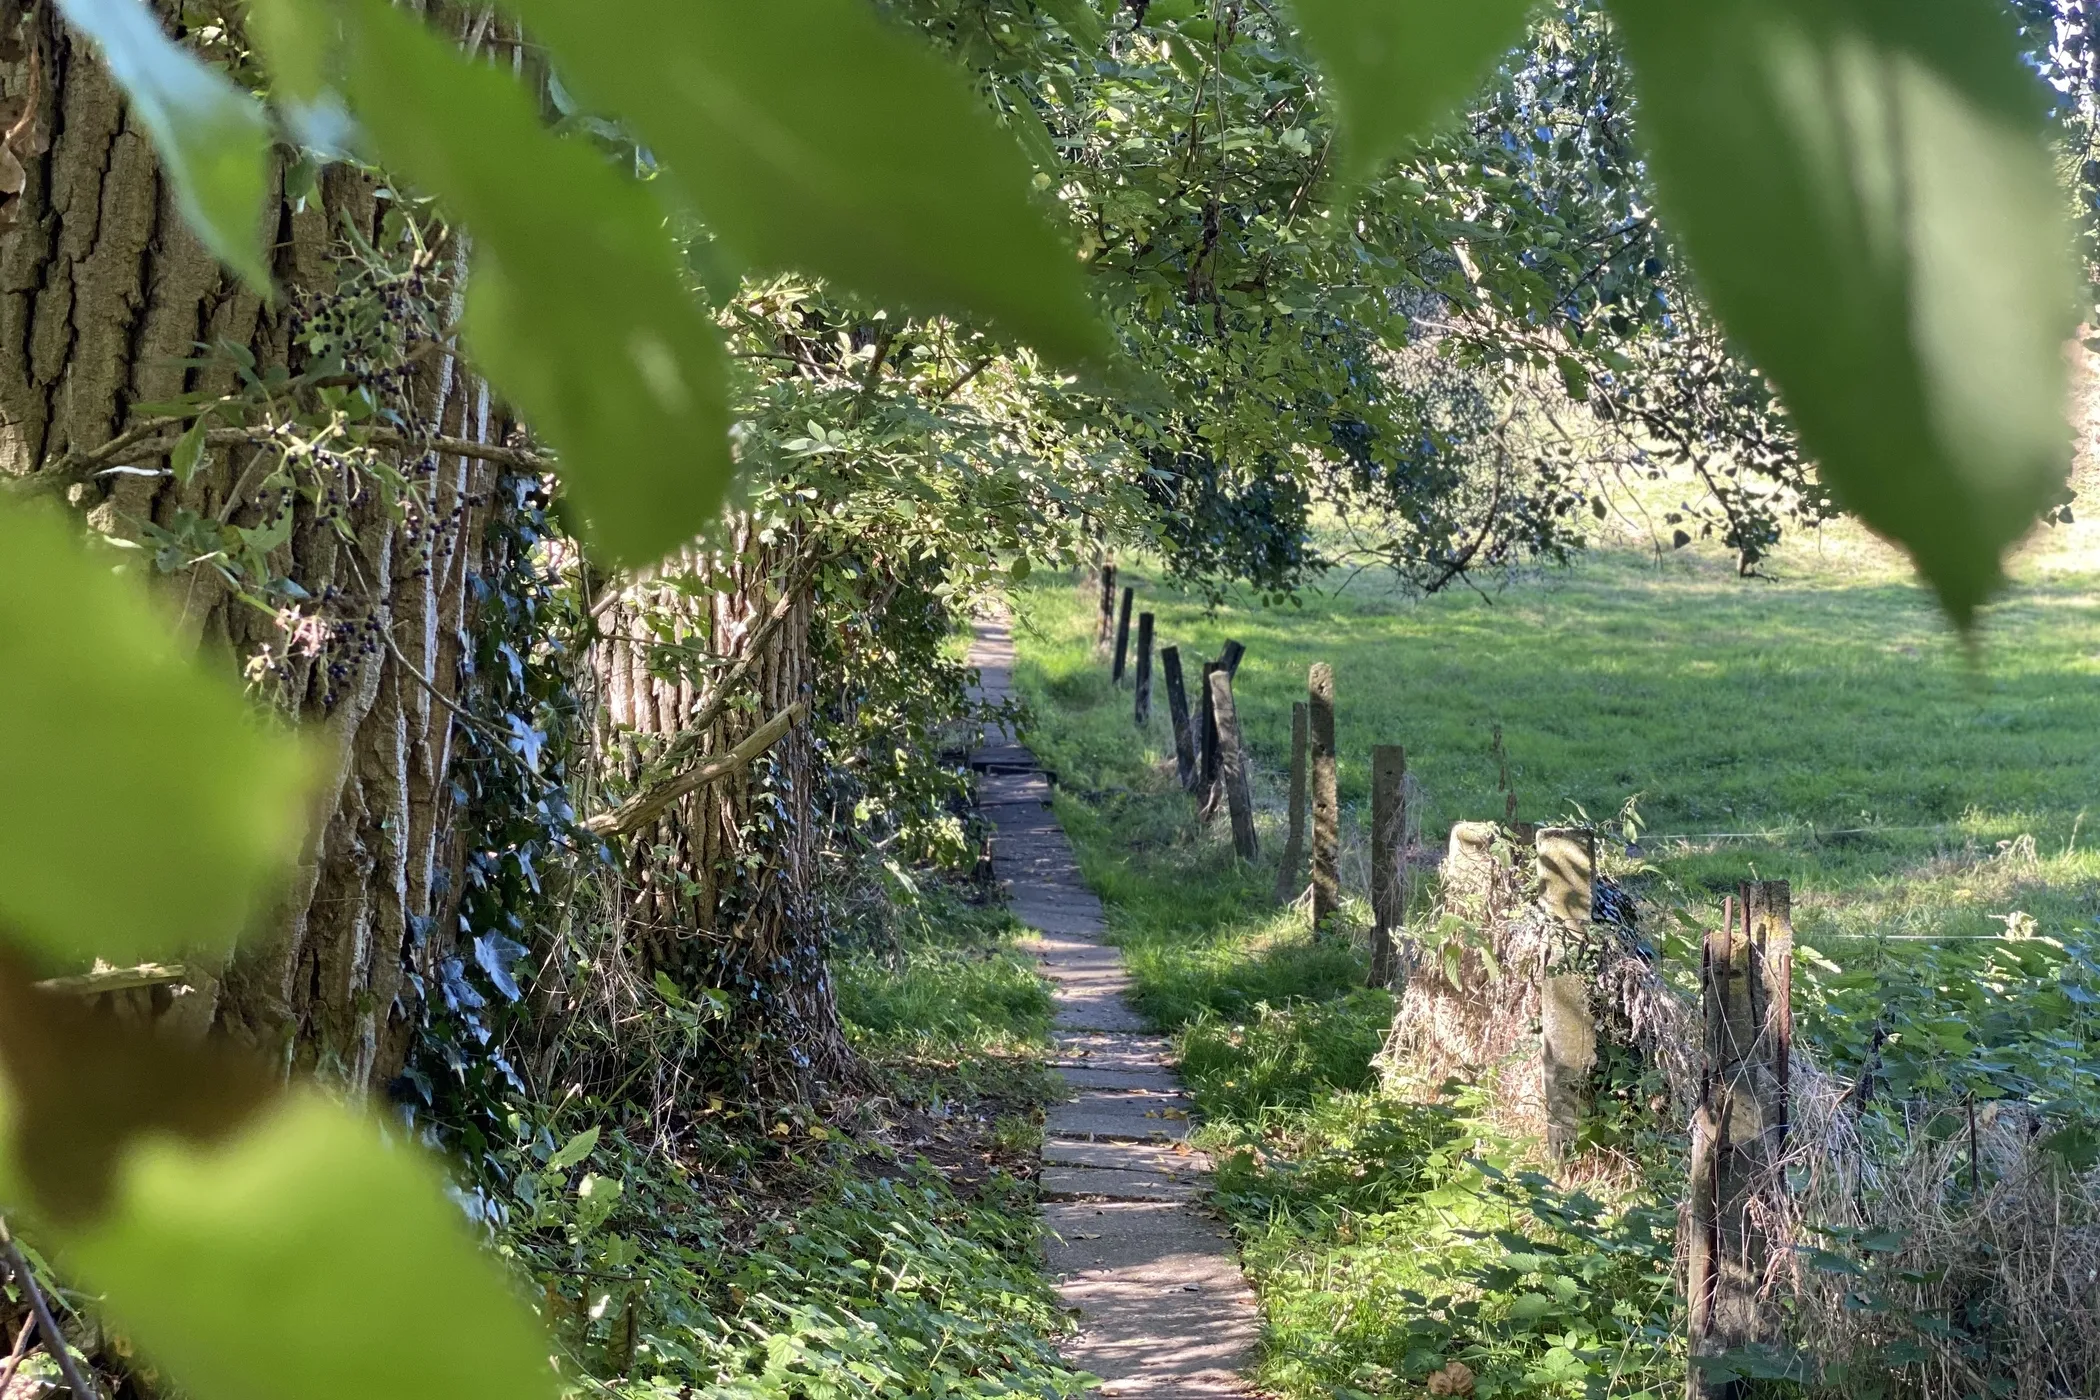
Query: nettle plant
point(1864, 190)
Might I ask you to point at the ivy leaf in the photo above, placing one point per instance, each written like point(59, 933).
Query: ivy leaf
point(498, 956)
point(213, 139)
point(810, 134)
point(1867, 200)
point(1400, 66)
point(147, 806)
point(308, 1256)
point(577, 307)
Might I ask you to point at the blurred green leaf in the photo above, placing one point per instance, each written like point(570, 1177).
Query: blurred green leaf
point(1400, 66)
point(810, 134)
point(307, 1256)
point(1079, 18)
point(1868, 202)
point(213, 139)
point(147, 807)
point(577, 307)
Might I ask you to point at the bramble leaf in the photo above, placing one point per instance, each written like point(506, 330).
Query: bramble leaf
point(810, 134)
point(147, 806)
point(1400, 66)
point(213, 139)
point(1867, 200)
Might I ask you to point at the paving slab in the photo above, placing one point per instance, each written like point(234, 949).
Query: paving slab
point(1162, 1301)
point(1110, 1050)
point(1114, 1184)
point(1072, 1121)
point(1092, 1077)
point(1167, 1159)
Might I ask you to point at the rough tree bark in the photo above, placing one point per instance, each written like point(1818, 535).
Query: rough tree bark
point(104, 293)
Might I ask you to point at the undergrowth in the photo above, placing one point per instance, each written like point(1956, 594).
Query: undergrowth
point(760, 1252)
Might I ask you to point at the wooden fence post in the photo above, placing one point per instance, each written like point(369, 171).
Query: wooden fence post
point(1178, 716)
point(1232, 773)
point(1388, 854)
point(1326, 800)
point(1207, 736)
point(1287, 885)
point(1144, 670)
point(1567, 868)
point(1739, 1132)
point(1105, 624)
point(1115, 674)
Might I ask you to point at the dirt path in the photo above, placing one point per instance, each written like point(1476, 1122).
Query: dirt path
point(1165, 1312)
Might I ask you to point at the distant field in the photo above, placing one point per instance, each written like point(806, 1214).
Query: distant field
point(1828, 728)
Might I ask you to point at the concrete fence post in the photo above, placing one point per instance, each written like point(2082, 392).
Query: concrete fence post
point(1567, 870)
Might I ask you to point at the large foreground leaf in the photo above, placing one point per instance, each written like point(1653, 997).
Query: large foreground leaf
point(305, 1256)
point(1868, 202)
point(213, 140)
point(1398, 66)
point(811, 135)
point(577, 308)
point(145, 807)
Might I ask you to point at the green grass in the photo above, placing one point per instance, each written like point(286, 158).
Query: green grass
point(1924, 797)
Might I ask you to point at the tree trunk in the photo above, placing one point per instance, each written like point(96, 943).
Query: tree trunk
point(104, 295)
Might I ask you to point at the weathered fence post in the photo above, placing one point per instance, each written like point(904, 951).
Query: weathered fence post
point(1567, 867)
point(1115, 673)
point(1105, 624)
point(1144, 670)
point(1232, 773)
point(1287, 886)
point(1739, 1132)
point(1388, 855)
point(1209, 754)
point(1178, 716)
point(1326, 800)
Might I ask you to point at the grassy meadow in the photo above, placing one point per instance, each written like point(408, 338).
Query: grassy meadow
point(1926, 795)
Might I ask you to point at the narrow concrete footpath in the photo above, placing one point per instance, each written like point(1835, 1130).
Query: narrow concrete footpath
point(1165, 1313)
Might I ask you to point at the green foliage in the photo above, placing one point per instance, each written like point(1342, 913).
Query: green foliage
point(577, 307)
point(877, 1282)
point(115, 741)
point(308, 1255)
point(1866, 200)
point(810, 135)
point(1401, 65)
point(213, 139)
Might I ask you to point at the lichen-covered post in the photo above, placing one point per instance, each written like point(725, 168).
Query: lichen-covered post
point(1326, 799)
point(1232, 771)
point(1178, 716)
point(1143, 710)
point(1115, 673)
point(1739, 1131)
point(1287, 885)
point(1567, 868)
point(1388, 854)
